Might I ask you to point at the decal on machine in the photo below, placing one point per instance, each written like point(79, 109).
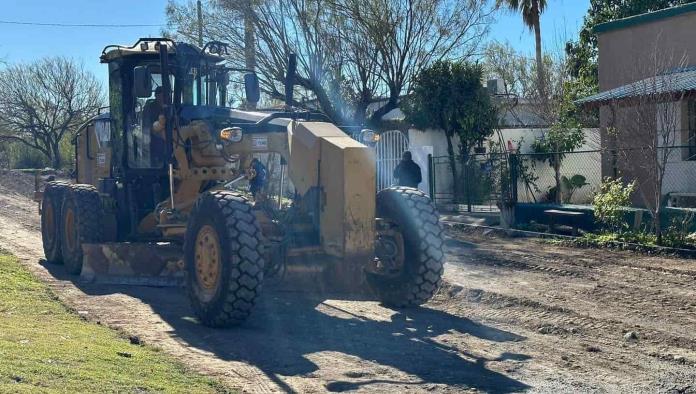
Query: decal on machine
point(259, 143)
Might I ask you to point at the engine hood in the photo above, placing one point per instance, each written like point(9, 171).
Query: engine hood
point(220, 117)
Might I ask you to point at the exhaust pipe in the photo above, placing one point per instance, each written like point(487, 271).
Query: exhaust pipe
point(290, 79)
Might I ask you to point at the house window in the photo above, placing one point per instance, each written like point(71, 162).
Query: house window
point(689, 136)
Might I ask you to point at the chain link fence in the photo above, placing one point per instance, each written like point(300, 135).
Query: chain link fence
point(480, 181)
point(474, 184)
point(578, 173)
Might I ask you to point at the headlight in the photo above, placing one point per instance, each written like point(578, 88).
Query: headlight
point(231, 134)
point(368, 136)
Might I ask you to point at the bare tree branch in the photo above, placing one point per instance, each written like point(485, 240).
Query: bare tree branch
point(42, 102)
point(350, 52)
point(647, 133)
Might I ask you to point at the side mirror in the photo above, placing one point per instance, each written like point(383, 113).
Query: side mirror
point(251, 87)
point(142, 82)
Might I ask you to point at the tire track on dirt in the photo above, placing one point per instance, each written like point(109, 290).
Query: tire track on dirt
point(617, 300)
point(501, 261)
point(291, 343)
point(549, 318)
point(518, 286)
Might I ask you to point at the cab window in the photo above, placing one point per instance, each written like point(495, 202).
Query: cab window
point(146, 142)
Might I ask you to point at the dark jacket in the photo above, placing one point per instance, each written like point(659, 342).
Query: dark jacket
point(260, 179)
point(408, 173)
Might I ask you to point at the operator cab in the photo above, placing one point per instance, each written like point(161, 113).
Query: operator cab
point(197, 83)
point(158, 89)
point(144, 110)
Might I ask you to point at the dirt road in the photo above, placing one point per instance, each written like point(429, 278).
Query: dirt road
point(516, 315)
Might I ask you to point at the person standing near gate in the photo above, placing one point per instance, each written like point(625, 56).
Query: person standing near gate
point(407, 172)
point(256, 174)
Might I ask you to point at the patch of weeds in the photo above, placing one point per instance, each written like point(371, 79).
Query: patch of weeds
point(532, 226)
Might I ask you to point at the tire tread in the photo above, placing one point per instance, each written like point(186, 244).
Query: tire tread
point(422, 225)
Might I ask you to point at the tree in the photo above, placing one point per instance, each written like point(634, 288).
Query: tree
point(412, 34)
point(350, 52)
point(531, 14)
point(516, 70)
point(646, 129)
point(309, 29)
point(42, 102)
point(565, 135)
point(449, 96)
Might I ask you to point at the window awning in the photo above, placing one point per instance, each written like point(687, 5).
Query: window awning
point(668, 86)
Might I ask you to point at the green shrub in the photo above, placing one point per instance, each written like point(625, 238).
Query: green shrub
point(613, 195)
point(67, 152)
point(22, 156)
point(18, 155)
point(677, 234)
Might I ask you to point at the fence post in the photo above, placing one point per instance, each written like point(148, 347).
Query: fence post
point(467, 185)
point(431, 177)
point(514, 167)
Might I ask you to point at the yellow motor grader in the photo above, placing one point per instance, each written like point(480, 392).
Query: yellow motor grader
point(158, 194)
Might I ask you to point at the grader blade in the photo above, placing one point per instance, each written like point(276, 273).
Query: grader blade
point(133, 263)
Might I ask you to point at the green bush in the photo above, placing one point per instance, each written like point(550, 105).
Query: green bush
point(18, 155)
point(22, 156)
point(613, 195)
point(677, 234)
point(67, 152)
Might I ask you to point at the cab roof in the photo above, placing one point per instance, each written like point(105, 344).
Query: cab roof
point(150, 46)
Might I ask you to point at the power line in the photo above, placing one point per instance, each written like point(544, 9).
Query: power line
point(4, 22)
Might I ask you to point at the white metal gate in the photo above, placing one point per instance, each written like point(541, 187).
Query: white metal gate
point(388, 150)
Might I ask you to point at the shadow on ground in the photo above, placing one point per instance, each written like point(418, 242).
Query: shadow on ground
point(286, 328)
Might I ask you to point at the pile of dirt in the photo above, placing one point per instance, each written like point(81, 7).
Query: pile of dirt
point(22, 182)
point(17, 182)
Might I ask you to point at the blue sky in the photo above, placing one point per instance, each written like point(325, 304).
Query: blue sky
point(561, 21)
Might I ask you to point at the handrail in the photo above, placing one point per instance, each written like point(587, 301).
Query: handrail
point(142, 39)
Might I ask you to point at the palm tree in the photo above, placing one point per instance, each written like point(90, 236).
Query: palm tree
point(531, 13)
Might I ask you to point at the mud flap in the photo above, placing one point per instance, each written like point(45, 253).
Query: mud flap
point(133, 263)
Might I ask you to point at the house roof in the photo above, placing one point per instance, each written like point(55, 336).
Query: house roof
point(667, 85)
point(644, 18)
point(524, 114)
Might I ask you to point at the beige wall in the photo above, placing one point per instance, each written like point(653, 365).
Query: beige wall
point(634, 53)
point(623, 51)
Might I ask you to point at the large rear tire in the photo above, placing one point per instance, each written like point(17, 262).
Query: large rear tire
point(223, 251)
point(50, 220)
point(81, 224)
point(419, 276)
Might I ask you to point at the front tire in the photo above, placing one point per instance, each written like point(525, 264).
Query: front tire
point(415, 218)
point(50, 220)
point(223, 251)
point(81, 216)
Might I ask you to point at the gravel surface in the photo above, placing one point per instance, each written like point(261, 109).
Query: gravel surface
point(515, 315)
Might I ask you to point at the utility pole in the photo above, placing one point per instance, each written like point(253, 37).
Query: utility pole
point(200, 24)
point(249, 41)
